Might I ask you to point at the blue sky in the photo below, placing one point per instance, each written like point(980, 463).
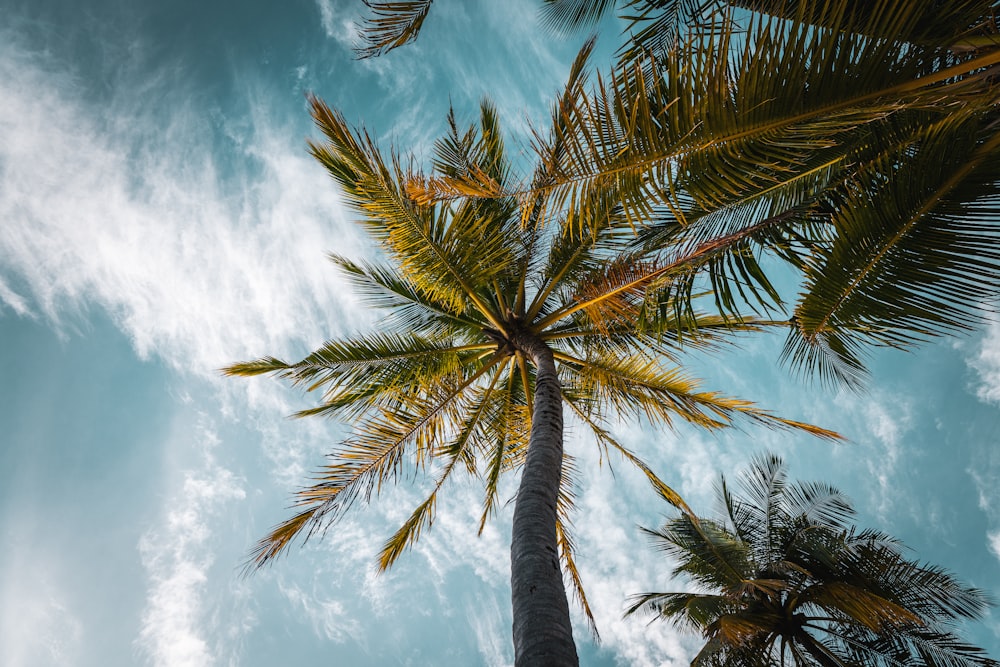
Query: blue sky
point(160, 219)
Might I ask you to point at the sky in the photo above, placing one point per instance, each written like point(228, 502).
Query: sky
point(160, 218)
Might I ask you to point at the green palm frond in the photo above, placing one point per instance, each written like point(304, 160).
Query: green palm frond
point(655, 25)
point(510, 424)
point(565, 15)
point(371, 370)
point(873, 611)
point(389, 25)
point(374, 455)
point(642, 387)
point(459, 450)
point(915, 254)
point(408, 307)
point(426, 242)
point(930, 22)
point(705, 552)
point(692, 611)
point(260, 366)
point(378, 371)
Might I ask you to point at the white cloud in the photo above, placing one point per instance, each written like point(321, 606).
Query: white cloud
point(986, 479)
point(987, 365)
point(38, 625)
point(490, 627)
point(880, 425)
point(615, 558)
point(329, 618)
point(176, 626)
point(123, 209)
point(14, 301)
point(993, 542)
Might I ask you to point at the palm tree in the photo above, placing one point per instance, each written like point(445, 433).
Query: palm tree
point(498, 319)
point(783, 578)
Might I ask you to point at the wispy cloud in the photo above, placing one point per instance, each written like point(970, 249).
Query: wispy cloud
point(177, 629)
point(986, 363)
point(490, 628)
point(329, 618)
point(878, 424)
point(38, 625)
point(130, 213)
point(615, 558)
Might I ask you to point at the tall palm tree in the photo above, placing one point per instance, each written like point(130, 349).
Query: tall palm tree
point(498, 319)
point(785, 579)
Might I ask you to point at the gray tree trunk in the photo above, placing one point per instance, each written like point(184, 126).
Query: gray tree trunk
point(543, 635)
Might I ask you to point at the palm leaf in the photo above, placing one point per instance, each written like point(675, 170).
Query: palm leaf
point(390, 25)
point(915, 254)
point(426, 242)
point(460, 450)
point(564, 539)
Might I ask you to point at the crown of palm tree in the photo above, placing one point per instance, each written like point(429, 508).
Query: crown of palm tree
point(787, 579)
point(473, 289)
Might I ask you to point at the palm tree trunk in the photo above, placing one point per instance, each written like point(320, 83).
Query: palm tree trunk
point(543, 635)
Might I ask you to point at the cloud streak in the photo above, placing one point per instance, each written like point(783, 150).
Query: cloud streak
point(131, 215)
point(176, 630)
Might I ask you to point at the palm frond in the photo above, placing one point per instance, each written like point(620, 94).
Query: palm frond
point(511, 426)
point(408, 306)
point(608, 442)
point(915, 255)
point(373, 455)
point(566, 15)
point(390, 25)
point(790, 579)
point(428, 243)
point(459, 450)
point(640, 386)
point(688, 610)
point(565, 503)
point(706, 552)
point(260, 366)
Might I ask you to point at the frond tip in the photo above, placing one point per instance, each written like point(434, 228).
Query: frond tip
point(390, 25)
point(279, 539)
point(256, 367)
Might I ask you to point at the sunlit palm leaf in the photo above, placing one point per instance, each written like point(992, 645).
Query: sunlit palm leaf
point(421, 239)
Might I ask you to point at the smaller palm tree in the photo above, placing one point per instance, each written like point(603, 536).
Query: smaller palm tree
point(784, 579)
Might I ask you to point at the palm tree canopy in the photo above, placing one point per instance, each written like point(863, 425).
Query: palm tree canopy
point(469, 287)
point(784, 578)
